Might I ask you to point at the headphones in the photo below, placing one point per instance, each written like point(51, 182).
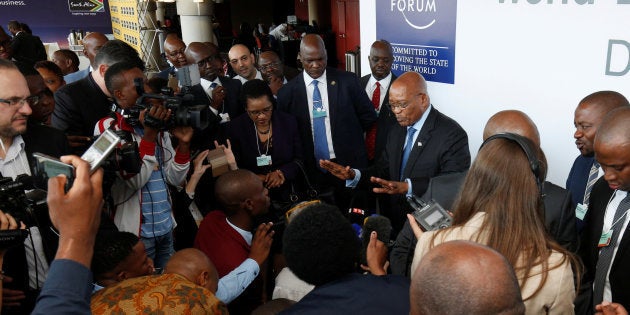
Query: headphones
point(530, 151)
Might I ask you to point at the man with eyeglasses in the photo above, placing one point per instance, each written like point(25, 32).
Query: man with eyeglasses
point(219, 92)
point(274, 72)
point(42, 110)
point(174, 49)
point(24, 267)
point(424, 144)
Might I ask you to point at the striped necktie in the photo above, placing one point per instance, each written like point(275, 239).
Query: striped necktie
point(592, 178)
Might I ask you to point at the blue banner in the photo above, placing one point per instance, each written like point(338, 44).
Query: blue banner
point(422, 34)
point(52, 20)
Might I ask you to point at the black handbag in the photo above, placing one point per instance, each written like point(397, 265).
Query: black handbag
point(308, 192)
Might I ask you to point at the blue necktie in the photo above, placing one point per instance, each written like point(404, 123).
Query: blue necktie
point(210, 89)
point(408, 148)
point(319, 127)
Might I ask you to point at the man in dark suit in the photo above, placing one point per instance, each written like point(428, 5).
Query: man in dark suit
point(588, 117)
point(376, 86)
point(605, 240)
point(559, 216)
point(27, 49)
point(332, 112)
point(219, 92)
point(424, 144)
point(274, 72)
point(175, 51)
point(80, 105)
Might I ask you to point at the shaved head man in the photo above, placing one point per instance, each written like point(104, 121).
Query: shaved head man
point(585, 170)
point(92, 43)
point(206, 56)
point(448, 280)
point(195, 266)
point(174, 48)
point(604, 240)
point(243, 63)
point(559, 212)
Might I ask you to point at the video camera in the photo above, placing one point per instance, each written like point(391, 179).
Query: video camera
point(431, 216)
point(183, 111)
point(20, 205)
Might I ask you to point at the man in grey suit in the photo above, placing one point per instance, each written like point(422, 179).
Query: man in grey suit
point(559, 216)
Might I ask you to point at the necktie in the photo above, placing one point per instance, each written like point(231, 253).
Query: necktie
point(606, 253)
point(319, 127)
point(592, 178)
point(210, 89)
point(408, 148)
point(370, 137)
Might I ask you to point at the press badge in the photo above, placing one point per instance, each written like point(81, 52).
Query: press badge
point(225, 117)
point(580, 211)
point(319, 113)
point(263, 160)
point(604, 240)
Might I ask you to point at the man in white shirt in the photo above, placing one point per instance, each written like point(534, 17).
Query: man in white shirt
point(243, 63)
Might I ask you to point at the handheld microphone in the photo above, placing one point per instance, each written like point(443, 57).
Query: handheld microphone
point(383, 228)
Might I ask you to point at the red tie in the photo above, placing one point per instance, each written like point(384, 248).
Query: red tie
point(370, 137)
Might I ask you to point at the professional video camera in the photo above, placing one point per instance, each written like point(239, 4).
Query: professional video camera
point(183, 111)
point(14, 201)
point(431, 216)
point(126, 157)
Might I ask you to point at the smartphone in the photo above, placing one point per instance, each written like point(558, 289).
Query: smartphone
point(47, 167)
point(101, 149)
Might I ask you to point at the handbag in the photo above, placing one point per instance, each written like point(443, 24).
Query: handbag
point(307, 193)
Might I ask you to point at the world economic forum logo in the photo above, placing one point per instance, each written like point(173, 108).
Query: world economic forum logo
point(419, 14)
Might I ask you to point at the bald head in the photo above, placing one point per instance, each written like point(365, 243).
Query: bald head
point(313, 55)
point(242, 61)
point(455, 269)
point(270, 65)
point(195, 266)
point(238, 190)
point(614, 128)
point(92, 43)
point(512, 121)
point(174, 49)
point(409, 91)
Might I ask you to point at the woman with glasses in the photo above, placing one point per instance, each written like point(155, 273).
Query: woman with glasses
point(266, 141)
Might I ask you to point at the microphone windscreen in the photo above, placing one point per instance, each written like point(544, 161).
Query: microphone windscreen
point(383, 227)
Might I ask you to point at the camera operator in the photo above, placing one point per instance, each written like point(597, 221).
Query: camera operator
point(141, 201)
point(7, 222)
point(26, 266)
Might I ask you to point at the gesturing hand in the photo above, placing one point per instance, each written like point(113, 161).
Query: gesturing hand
point(339, 171)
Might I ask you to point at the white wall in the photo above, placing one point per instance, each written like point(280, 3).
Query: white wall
point(539, 58)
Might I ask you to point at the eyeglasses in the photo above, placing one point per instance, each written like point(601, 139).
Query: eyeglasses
point(265, 111)
point(176, 53)
point(15, 101)
point(205, 62)
point(404, 105)
point(269, 66)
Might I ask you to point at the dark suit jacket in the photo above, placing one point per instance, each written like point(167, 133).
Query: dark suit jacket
point(559, 217)
point(78, 107)
point(204, 139)
point(286, 146)
point(290, 72)
point(356, 294)
point(578, 176)
point(589, 252)
point(351, 114)
point(386, 119)
point(166, 72)
point(441, 148)
point(28, 49)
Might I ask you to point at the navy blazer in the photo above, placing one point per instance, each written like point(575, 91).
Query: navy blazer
point(578, 176)
point(386, 118)
point(589, 252)
point(441, 148)
point(286, 145)
point(350, 110)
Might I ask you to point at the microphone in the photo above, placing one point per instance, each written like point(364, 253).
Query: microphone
point(383, 228)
